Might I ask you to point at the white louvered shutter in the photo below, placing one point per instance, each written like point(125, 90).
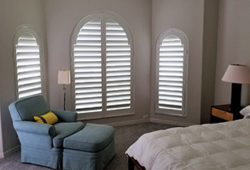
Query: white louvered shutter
point(102, 67)
point(28, 66)
point(88, 68)
point(118, 67)
point(171, 74)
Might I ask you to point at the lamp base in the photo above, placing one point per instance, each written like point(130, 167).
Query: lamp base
point(64, 97)
point(236, 98)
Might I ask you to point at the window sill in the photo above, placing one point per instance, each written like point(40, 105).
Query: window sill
point(168, 113)
point(92, 116)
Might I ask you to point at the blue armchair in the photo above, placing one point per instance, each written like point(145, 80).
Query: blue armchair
point(41, 144)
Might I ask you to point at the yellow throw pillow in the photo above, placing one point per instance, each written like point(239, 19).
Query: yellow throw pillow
point(49, 118)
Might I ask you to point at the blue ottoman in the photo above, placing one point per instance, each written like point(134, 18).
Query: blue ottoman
point(89, 149)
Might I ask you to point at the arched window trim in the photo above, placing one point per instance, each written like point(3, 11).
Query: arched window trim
point(104, 15)
point(180, 34)
point(23, 29)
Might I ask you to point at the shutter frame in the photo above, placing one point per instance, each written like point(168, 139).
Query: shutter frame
point(105, 16)
point(27, 30)
point(182, 36)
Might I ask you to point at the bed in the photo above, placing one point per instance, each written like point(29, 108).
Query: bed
point(222, 146)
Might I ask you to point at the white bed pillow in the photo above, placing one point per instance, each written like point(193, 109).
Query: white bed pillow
point(247, 116)
point(245, 111)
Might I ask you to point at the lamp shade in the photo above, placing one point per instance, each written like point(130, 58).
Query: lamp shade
point(236, 73)
point(63, 76)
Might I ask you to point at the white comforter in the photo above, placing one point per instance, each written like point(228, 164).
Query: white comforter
point(199, 147)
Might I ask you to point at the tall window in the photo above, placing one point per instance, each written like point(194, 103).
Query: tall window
point(171, 73)
point(102, 65)
point(28, 64)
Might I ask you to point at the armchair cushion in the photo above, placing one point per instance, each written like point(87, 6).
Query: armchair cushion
point(64, 130)
point(66, 116)
point(29, 107)
point(36, 128)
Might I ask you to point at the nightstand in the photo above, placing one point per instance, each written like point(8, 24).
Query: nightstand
point(222, 113)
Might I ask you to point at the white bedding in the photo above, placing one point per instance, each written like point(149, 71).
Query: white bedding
point(199, 147)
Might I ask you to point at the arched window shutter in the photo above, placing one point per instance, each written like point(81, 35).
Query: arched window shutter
point(171, 75)
point(102, 66)
point(28, 66)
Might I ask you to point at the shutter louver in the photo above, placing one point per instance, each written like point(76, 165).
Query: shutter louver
point(171, 64)
point(28, 66)
point(118, 68)
point(88, 68)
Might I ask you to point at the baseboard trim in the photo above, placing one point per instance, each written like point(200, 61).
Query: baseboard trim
point(128, 122)
point(10, 151)
point(1, 155)
point(170, 122)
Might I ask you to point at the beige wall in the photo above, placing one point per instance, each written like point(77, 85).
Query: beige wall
point(61, 18)
point(233, 45)
point(188, 17)
point(14, 13)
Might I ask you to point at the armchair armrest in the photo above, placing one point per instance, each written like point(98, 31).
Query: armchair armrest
point(66, 116)
point(36, 128)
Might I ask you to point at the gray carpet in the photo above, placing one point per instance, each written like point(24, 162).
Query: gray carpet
point(124, 137)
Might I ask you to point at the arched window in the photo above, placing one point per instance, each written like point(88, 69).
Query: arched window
point(28, 63)
point(102, 61)
point(172, 70)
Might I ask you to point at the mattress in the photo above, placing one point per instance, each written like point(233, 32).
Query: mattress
point(222, 146)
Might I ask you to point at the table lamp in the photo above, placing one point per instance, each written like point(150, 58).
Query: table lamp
point(64, 79)
point(236, 74)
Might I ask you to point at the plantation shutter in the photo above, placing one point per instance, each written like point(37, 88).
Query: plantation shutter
point(102, 66)
point(118, 64)
point(171, 68)
point(28, 66)
point(88, 68)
